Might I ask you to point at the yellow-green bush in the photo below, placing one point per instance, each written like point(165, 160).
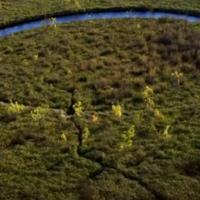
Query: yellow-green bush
point(64, 136)
point(127, 138)
point(78, 108)
point(15, 107)
point(148, 97)
point(39, 112)
point(86, 135)
point(117, 110)
point(53, 22)
point(178, 76)
point(166, 133)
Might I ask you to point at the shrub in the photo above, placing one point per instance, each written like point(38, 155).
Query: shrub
point(53, 22)
point(39, 112)
point(14, 108)
point(74, 151)
point(177, 76)
point(117, 110)
point(127, 137)
point(35, 57)
point(78, 108)
point(94, 118)
point(158, 114)
point(85, 135)
point(149, 102)
point(64, 137)
point(148, 92)
point(166, 134)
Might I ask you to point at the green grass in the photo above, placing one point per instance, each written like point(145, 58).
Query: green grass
point(49, 152)
point(11, 10)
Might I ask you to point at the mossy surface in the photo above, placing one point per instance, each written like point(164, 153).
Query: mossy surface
point(12, 10)
point(50, 150)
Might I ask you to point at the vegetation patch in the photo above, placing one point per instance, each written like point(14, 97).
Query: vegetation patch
point(101, 110)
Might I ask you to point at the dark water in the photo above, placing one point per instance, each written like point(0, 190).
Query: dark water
point(100, 15)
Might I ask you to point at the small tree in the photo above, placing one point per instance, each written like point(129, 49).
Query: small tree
point(85, 135)
point(148, 94)
point(177, 76)
point(148, 97)
point(53, 22)
point(78, 108)
point(74, 150)
point(166, 134)
point(64, 136)
point(94, 118)
point(15, 107)
point(35, 57)
point(127, 138)
point(158, 114)
point(39, 113)
point(117, 110)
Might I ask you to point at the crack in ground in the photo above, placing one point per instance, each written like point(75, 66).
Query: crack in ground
point(156, 194)
point(104, 167)
point(146, 186)
point(69, 113)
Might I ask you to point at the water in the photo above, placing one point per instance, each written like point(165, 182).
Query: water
point(100, 15)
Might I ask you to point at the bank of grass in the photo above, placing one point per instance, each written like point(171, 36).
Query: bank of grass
point(45, 73)
point(12, 10)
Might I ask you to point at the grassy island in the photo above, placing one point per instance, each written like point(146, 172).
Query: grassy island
point(103, 110)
